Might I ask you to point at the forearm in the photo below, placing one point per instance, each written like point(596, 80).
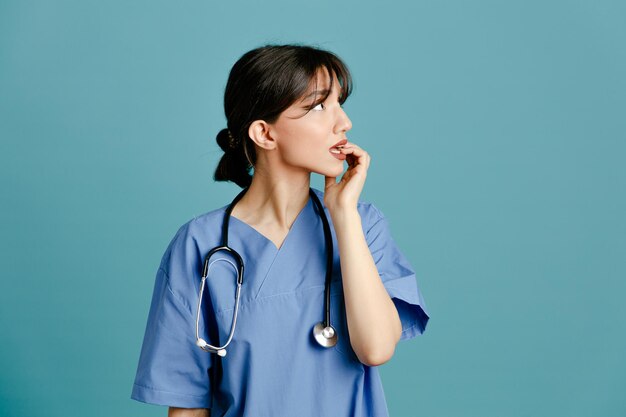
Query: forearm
point(373, 321)
point(188, 412)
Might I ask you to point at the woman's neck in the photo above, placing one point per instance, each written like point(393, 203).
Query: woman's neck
point(273, 201)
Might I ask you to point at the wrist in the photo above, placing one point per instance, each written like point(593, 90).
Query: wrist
point(342, 216)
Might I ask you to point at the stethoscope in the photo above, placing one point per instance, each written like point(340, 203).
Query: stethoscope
point(323, 332)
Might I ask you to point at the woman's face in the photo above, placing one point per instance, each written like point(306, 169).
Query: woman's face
point(304, 139)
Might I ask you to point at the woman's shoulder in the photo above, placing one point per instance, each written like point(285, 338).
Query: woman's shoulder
point(202, 222)
point(205, 227)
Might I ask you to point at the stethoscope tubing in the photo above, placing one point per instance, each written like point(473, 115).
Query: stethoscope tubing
point(206, 346)
point(329, 258)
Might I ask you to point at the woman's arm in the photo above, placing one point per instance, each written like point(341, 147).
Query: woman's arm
point(188, 412)
point(373, 321)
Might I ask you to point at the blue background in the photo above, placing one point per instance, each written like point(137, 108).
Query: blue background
point(497, 136)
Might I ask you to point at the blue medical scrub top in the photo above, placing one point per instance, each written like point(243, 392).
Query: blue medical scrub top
point(273, 367)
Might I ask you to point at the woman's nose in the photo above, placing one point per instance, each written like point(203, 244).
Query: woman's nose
point(343, 123)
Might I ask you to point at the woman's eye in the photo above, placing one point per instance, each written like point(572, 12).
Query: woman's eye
point(319, 106)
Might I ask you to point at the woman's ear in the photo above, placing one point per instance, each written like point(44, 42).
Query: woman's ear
point(260, 133)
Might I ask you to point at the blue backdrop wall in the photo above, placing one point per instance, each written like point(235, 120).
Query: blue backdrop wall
point(497, 135)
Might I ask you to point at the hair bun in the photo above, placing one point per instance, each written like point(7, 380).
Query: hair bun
point(223, 140)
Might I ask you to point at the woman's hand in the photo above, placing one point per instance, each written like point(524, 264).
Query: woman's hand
point(345, 193)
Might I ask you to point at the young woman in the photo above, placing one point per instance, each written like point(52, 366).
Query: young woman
point(325, 293)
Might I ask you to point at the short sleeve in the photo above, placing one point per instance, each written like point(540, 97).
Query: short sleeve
point(397, 275)
point(172, 369)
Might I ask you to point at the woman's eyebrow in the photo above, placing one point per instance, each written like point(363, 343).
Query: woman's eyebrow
point(317, 92)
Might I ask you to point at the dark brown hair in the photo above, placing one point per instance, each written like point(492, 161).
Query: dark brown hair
point(262, 84)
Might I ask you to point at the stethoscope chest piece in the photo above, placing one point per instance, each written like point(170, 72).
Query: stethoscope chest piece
point(325, 335)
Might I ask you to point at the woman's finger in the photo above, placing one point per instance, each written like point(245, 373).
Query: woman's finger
point(361, 156)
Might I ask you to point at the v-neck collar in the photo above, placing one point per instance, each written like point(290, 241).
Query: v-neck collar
point(265, 238)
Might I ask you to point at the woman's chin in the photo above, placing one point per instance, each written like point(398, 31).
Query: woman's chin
point(331, 172)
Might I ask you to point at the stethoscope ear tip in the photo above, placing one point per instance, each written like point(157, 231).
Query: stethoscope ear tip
point(201, 343)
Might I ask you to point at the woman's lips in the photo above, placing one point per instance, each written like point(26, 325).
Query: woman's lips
point(337, 153)
point(335, 150)
point(340, 143)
